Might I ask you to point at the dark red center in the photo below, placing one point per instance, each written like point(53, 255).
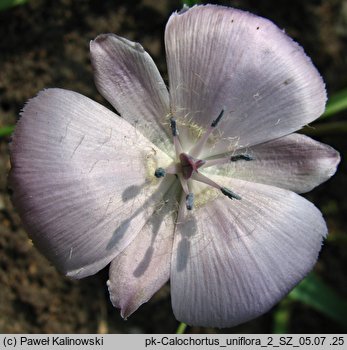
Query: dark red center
point(189, 165)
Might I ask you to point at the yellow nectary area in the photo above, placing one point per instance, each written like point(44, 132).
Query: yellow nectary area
point(152, 161)
point(203, 194)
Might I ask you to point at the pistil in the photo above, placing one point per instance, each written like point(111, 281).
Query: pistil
point(189, 165)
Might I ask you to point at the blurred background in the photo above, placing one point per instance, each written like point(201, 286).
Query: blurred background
point(45, 43)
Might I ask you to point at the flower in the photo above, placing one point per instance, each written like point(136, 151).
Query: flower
point(196, 185)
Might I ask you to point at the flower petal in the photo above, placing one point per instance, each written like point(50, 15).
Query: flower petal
point(294, 162)
point(226, 59)
point(82, 179)
point(127, 77)
point(236, 259)
point(144, 266)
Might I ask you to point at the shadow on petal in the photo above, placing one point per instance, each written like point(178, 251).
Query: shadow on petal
point(118, 233)
point(131, 192)
point(152, 205)
point(166, 208)
point(144, 264)
point(186, 230)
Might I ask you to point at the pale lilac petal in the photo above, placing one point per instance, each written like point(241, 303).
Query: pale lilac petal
point(144, 266)
point(82, 179)
point(294, 162)
point(236, 259)
point(225, 59)
point(127, 77)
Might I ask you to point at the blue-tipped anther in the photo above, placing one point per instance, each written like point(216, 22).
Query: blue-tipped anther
point(217, 120)
point(173, 125)
point(190, 201)
point(160, 172)
point(246, 157)
point(229, 193)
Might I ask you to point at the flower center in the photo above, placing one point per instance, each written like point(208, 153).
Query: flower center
point(187, 166)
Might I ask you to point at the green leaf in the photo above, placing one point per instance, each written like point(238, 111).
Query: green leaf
point(189, 3)
point(313, 292)
point(4, 4)
point(281, 317)
point(6, 130)
point(336, 103)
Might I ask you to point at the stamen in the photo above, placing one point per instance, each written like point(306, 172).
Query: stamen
point(197, 148)
point(245, 157)
point(184, 184)
point(190, 200)
point(159, 172)
point(225, 160)
point(173, 125)
point(173, 169)
point(217, 120)
point(175, 133)
point(204, 179)
point(230, 193)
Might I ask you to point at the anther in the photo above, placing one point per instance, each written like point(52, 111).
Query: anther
point(159, 172)
point(190, 201)
point(175, 133)
point(217, 120)
point(229, 193)
point(226, 160)
point(245, 157)
point(173, 125)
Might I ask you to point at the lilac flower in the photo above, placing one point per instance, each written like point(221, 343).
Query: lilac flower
point(196, 184)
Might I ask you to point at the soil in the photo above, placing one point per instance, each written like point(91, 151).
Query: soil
point(45, 44)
